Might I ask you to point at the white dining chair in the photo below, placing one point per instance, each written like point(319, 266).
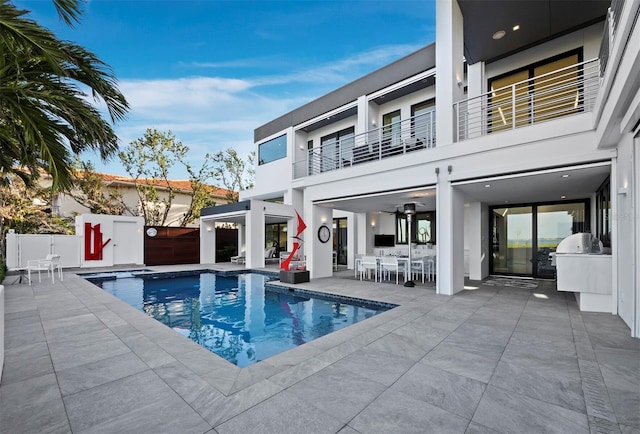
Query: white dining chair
point(418, 267)
point(430, 267)
point(51, 264)
point(389, 264)
point(368, 264)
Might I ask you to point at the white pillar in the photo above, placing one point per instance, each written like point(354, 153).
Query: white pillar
point(450, 238)
point(449, 66)
point(363, 122)
point(254, 232)
point(319, 255)
point(476, 239)
point(207, 241)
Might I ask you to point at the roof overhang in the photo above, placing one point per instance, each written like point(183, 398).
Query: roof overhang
point(539, 21)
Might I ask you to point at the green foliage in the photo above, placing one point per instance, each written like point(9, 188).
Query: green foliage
point(89, 191)
point(148, 161)
point(3, 270)
point(46, 117)
point(27, 210)
point(233, 172)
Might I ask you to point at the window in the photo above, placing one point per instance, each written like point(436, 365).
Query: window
point(391, 128)
point(423, 228)
point(603, 217)
point(275, 235)
point(272, 150)
point(336, 149)
point(424, 122)
point(536, 98)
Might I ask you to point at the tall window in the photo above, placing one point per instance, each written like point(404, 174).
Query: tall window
point(335, 148)
point(391, 128)
point(603, 217)
point(272, 150)
point(423, 123)
point(538, 97)
point(275, 235)
point(423, 228)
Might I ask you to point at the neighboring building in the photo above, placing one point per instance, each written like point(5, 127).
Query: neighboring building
point(536, 138)
point(65, 205)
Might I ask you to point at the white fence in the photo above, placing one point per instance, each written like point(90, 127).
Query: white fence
point(25, 247)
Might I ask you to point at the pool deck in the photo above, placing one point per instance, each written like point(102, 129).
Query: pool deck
point(490, 359)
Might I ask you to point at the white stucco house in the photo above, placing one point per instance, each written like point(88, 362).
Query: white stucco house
point(515, 129)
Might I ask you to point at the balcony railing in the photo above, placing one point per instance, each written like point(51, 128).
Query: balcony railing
point(546, 97)
point(409, 135)
point(609, 32)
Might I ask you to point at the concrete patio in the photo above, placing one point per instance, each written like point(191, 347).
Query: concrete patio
point(493, 358)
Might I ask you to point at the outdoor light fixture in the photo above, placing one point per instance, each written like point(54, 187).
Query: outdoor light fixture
point(499, 34)
point(409, 210)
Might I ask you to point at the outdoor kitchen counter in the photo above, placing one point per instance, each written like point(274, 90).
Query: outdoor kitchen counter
point(587, 275)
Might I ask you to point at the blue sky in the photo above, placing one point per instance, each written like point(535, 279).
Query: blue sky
point(213, 71)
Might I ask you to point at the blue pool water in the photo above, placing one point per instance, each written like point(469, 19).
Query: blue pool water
point(240, 318)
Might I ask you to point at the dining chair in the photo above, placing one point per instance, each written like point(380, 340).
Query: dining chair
point(430, 266)
point(418, 267)
point(50, 264)
point(389, 264)
point(368, 264)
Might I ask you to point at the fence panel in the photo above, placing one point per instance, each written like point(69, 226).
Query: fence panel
point(22, 248)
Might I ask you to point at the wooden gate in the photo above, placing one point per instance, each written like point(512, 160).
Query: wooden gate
point(170, 245)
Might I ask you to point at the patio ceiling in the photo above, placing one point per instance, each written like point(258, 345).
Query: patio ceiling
point(549, 185)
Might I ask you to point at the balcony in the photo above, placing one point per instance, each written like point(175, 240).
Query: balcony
point(408, 135)
point(545, 97)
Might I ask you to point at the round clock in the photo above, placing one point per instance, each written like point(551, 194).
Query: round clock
point(324, 233)
point(152, 232)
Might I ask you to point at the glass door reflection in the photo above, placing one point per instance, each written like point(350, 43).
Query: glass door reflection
point(512, 247)
point(554, 223)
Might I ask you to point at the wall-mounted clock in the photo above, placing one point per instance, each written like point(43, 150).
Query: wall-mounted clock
point(152, 232)
point(324, 233)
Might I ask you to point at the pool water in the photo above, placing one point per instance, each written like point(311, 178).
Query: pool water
point(240, 318)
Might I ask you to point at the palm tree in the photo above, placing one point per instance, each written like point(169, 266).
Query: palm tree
point(46, 114)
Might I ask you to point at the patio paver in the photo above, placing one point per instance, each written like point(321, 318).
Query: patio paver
point(493, 359)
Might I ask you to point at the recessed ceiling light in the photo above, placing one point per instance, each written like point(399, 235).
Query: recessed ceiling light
point(516, 27)
point(565, 175)
point(563, 197)
point(487, 185)
point(499, 34)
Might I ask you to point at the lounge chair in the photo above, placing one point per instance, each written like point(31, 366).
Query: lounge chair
point(268, 256)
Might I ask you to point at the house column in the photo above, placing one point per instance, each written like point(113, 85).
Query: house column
point(450, 67)
point(319, 255)
point(476, 86)
point(450, 238)
point(207, 242)
point(363, 122)
point(476, 230)
point(254, 233)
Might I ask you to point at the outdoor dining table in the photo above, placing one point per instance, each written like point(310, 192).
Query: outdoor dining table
point(403, 262)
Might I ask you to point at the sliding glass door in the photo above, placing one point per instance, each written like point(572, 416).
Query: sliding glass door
point(512, 240)
point(555, 223)
point(524, 237)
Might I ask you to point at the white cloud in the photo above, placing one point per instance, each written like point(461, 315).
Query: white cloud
point(209, 114)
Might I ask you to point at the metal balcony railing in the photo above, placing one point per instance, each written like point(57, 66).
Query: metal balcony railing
point(559, 93)
point(409, 135)
point(609, 32)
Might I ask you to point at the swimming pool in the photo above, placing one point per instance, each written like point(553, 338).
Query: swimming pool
point(241, 318)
